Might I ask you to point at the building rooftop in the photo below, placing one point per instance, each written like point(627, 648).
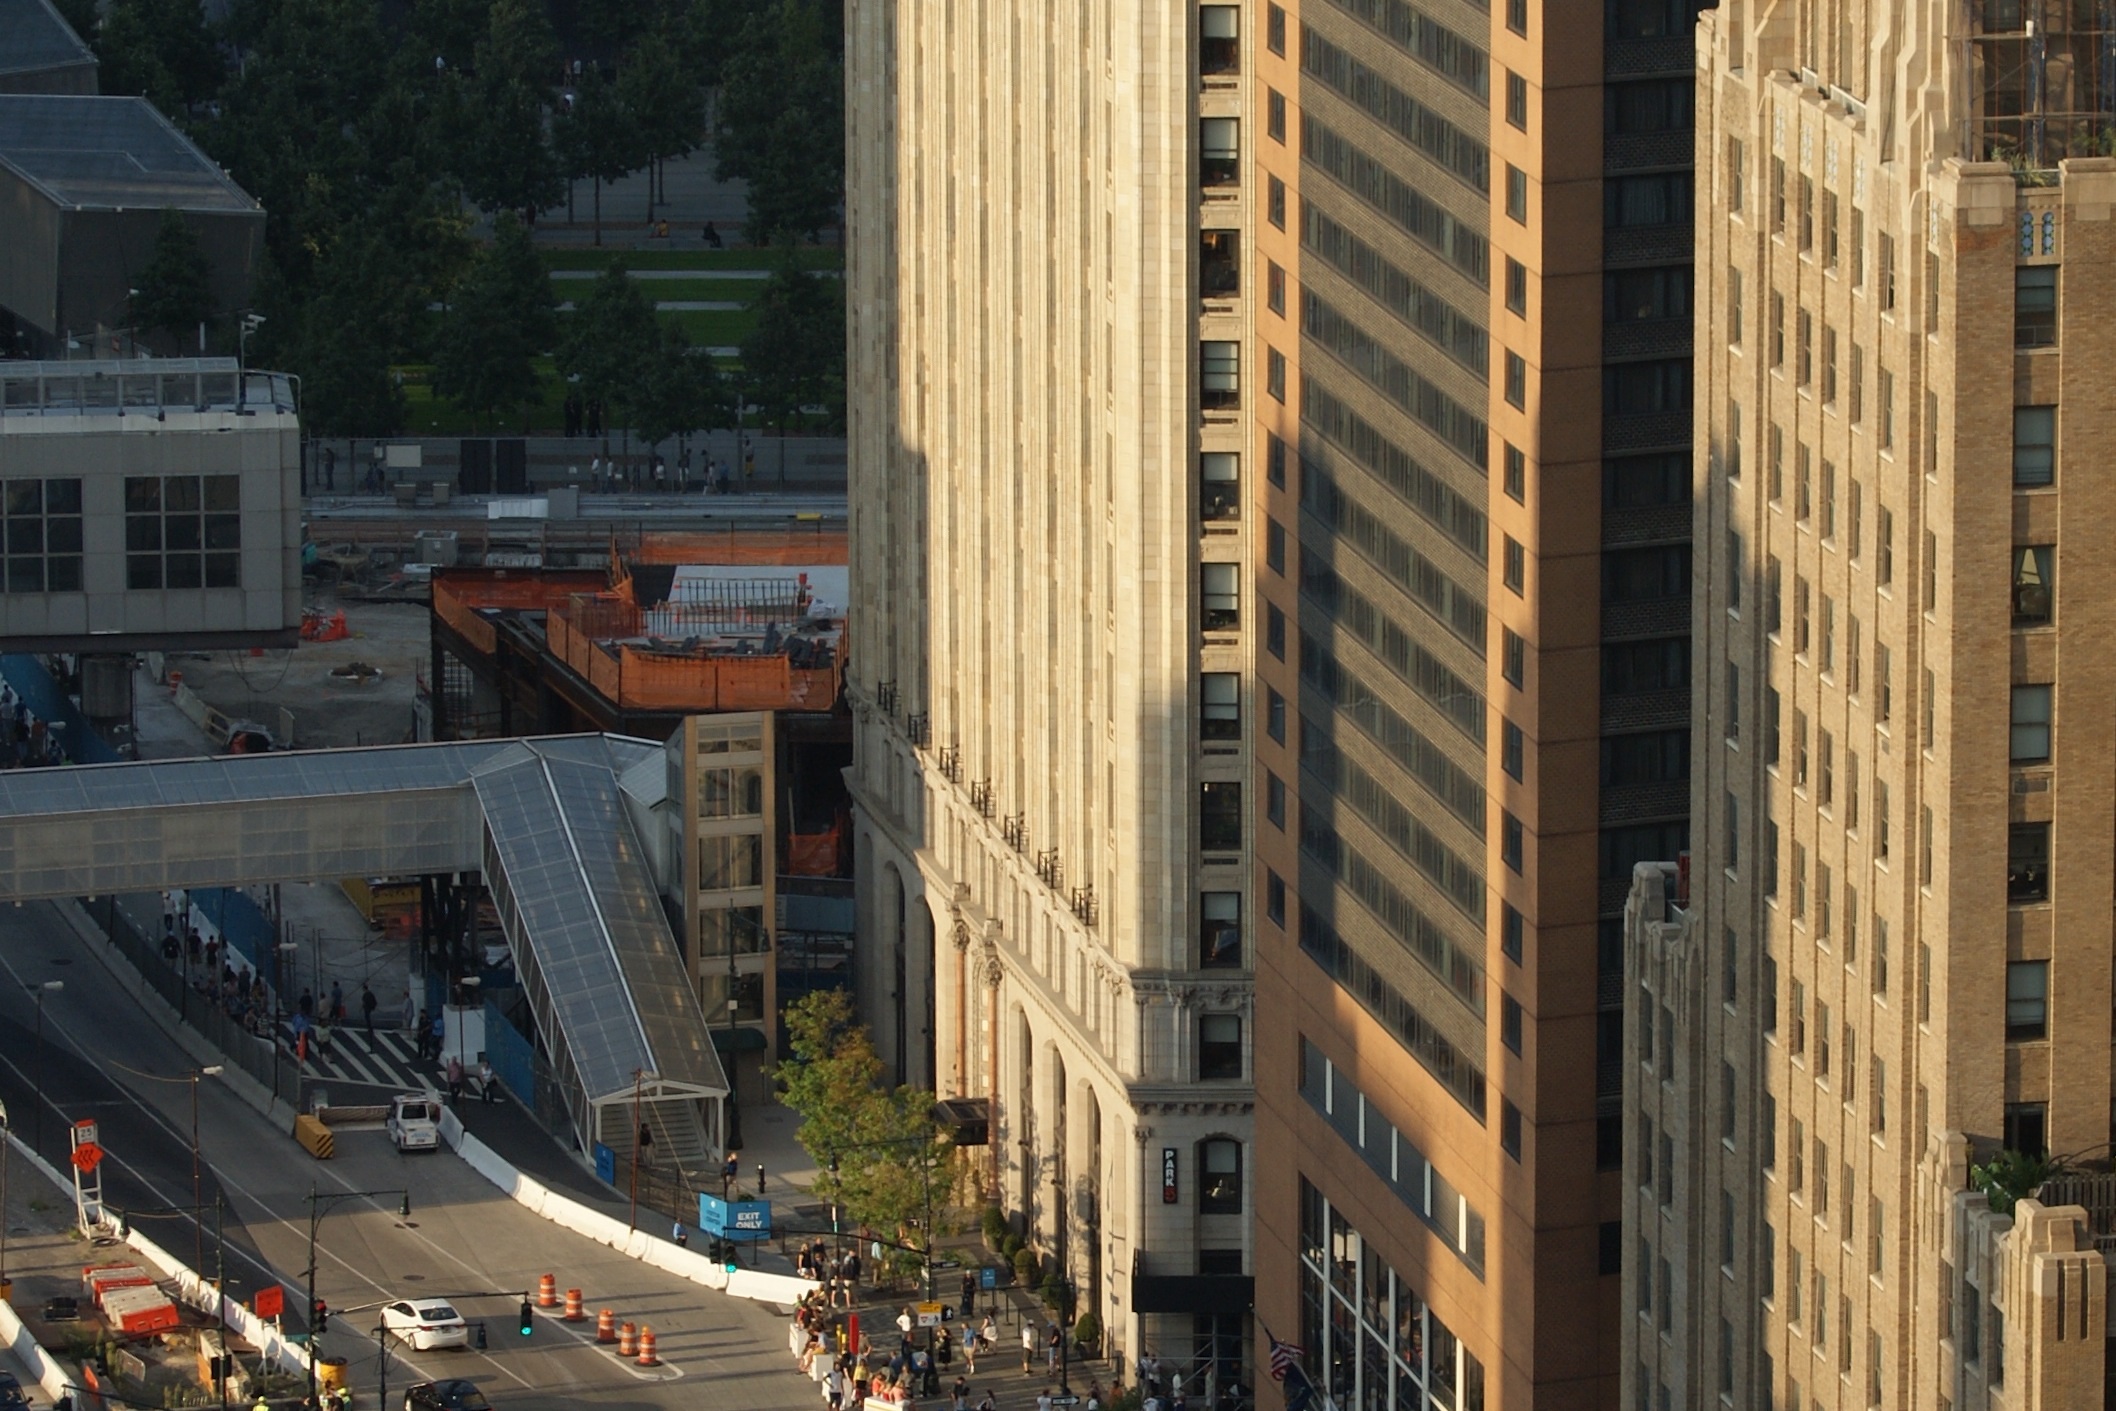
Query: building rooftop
point(33, 38)
point(139, 387)
point(110, 154)
point(687, 624)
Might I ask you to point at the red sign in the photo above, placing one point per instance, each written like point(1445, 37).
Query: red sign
point(86, 1155)
point(269, 1302)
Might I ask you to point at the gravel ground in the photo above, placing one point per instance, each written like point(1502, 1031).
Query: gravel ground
point(328, 710)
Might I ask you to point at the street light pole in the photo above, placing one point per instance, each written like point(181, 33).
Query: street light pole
point(198, 1200)
point(40, 991)
point(319, 1204)
point(1065, 1289)
point(7, 1139)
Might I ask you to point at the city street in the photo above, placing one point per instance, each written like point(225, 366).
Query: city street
point(464, 1240)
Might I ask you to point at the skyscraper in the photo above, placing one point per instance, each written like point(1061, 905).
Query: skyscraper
point(1270, 524)
point(1886, 996)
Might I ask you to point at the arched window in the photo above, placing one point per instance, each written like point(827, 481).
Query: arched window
point(1220, 1176)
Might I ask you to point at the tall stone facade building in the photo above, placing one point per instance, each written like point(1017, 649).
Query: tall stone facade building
point(1886, 994)
point(1271, 559)
point(1054, 619)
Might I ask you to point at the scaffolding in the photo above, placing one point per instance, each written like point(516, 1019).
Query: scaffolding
point(2040, 81)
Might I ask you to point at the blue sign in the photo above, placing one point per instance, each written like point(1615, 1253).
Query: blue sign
point(988, 1277)
point(605, 1165)
point(734, 1219)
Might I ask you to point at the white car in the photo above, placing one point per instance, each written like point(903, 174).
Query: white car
point(428, 1325)
point(415, 1122)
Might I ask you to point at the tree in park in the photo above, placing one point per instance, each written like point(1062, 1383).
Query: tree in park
point(501, 319)
point(173, 292)
point(158, 49)
point(598, 137)
point(781, 117)
point(665, 100)
point(609, 342)
point(343, 348)
point(795, 356)
point(682, 391)
point(888, 1150)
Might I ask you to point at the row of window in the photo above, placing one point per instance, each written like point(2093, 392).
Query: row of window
point(40, 534)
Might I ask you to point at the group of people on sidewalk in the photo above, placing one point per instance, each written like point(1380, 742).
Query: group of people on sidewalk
point(634, 474)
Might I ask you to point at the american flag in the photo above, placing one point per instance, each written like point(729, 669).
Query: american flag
point(1285, 1357)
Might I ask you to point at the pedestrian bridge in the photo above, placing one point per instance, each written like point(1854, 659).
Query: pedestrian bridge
point(544, 820)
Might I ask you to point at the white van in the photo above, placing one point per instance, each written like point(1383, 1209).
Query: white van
point(415, 1122)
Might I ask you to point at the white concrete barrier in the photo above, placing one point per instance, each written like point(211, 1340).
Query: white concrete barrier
point(539, 1199)
point(198, 1291)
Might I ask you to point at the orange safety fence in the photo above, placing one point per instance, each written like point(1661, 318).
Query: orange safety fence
point(815, 854)
point(796, 548)
point(460, 596)
point(645, 679)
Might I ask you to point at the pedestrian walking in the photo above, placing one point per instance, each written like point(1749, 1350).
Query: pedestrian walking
point(486, 1080)
point(1043, 1400)
point(367, 1007)
point(440, 1034)
point(959, 1395)
point(834, 1388)
point(682, 1236)
point(969, 1348)
point(455, 1079)
point(337, 1003)
point(1051, 1343)
point(419, 1036)
point(330, 468)
point(306, 1007)
point(413, 1015)
point(711, 236)
point(1028, 1347)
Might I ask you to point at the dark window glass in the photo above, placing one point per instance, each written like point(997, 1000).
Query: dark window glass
point(2034, 306)
point(1644, 295)
point(2034, 584)
point(1219, 1047)
point(1639, 668)
point(1220, 817)
point(1220, 930)
point(2028, 862)
point(1640, 575)
point(1646, 482)
point(1662, 199)
point(1656, 757)
point(1220, 1175)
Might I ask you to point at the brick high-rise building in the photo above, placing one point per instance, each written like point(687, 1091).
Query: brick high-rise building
point(1271, 445)
point(1886, 997)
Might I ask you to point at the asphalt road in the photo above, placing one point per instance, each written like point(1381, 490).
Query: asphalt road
point(464, 1240)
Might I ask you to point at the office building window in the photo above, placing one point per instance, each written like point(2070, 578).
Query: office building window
point(40, 531)
point(1219, 1047)
point(1219, 39)
point(1219, 485)
point(1274, 800)
point(1220, 816)
point(1516, 194)
point(1274, 715)
point(1275, 547)
point(1220, 374)
point(1275, 29)
point(1220, 1171)
point(1220, 706)
point(1275, 287)
point(1511, 840)
point(1219, 153)
point(1516, 380)
point(1516, 469)
point(1220, 587)
point(2028, 862)
point(1275, 898)
point(1512, 932)
point(2034, 446)
point(1513, 656)
point(1509, 1129)
point(2034, 584)
point(1517, 16)
point(1275, 374)
point(1516, 286)
point(1219, 930)
point(2030, 739)
point(1510, 1024)
point(1275, 631)
point(2027, 999)
point(1736, 176)
point(181, 531)
point(1275, 201)
point(1511, 749)
point(2035, 306)
point(1275, 116)
point(1514, 569)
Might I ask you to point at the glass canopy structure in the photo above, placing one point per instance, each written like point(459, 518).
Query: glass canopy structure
point(541, 818)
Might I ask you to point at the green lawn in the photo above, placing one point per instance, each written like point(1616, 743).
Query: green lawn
point(739, 291)
point(714, 329)
point(754, 257)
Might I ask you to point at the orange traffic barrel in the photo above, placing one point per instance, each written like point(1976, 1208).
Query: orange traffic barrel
point(627, 1340)
point(574, 1312)
point(646, 1349)
point(606, 1326)
point(547, 1292)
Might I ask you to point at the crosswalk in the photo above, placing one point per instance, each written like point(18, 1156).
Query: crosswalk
point(386, 1058)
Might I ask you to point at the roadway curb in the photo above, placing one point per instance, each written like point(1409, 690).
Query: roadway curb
point(779, 1290)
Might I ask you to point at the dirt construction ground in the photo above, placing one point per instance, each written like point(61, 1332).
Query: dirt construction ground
point(328, 710)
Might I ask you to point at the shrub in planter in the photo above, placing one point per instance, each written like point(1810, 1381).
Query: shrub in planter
point(996, 1230)
point(1027, 1272)
point(1088, 1333)
point(1013, 1246)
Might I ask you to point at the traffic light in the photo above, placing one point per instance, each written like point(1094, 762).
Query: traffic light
point(528, 1319)
point(320, 1316)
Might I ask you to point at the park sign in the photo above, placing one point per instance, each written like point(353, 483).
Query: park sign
point(734, 1219)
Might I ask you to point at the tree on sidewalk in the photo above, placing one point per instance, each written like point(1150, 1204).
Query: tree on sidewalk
point(795, 356)
point(173, 291)
point(501, 319)
point(682, 391)
point(666, 102)
point(598, 137)
point(888, 1150)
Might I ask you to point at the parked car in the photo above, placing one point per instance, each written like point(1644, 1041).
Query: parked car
point(415, 1122)
point(11, 1397)
point(425, 1324)
point(455, 1394)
